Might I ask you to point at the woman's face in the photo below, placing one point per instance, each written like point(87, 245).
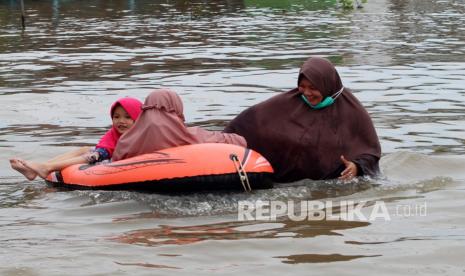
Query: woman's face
point(310, 92)
point(121, 120)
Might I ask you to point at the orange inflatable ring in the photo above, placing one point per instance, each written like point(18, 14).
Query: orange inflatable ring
point(186, 168)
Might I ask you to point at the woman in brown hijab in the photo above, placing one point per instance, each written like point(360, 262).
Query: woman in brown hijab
point(318, 130)
point(161, 125)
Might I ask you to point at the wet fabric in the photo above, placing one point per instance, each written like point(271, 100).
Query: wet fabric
point(109, 140)
point(301, 142)
point(161, 125)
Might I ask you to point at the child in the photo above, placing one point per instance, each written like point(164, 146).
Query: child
point(124, 113)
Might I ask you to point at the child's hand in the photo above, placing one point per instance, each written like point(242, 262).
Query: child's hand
point(92, 157)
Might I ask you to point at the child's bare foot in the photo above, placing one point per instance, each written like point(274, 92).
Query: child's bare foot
point(38, 168)
point(17, 164)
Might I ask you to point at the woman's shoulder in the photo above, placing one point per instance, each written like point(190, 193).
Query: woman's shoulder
point(255, 115)
point(277, 101)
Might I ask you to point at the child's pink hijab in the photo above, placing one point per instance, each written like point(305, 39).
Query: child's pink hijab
point(161, 125)
point(110, 139)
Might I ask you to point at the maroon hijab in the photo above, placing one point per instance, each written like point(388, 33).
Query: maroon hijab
point(301, 142)
point(161, 125)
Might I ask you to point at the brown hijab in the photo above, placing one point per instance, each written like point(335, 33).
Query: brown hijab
point(301, 142)
point(161, 125)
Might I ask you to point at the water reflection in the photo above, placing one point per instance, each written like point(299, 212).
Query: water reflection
point(182, 235)
point(148, 265)
point(320, 258)
point(19, 194)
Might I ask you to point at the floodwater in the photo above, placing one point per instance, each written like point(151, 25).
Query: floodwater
point(404, 59)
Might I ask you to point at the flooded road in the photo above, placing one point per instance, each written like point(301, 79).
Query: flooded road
point(405, 61)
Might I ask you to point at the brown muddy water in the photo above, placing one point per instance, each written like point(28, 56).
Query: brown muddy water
point(405, 60)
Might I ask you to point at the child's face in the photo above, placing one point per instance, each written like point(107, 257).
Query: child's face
point(121, 120)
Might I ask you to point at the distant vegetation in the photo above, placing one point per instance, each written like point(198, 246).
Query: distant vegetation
point(349, 4)
point(304, 4)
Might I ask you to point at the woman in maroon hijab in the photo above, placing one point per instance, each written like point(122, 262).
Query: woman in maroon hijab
point(318, 130)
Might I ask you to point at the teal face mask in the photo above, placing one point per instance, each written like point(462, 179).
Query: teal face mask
point(325, 102)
